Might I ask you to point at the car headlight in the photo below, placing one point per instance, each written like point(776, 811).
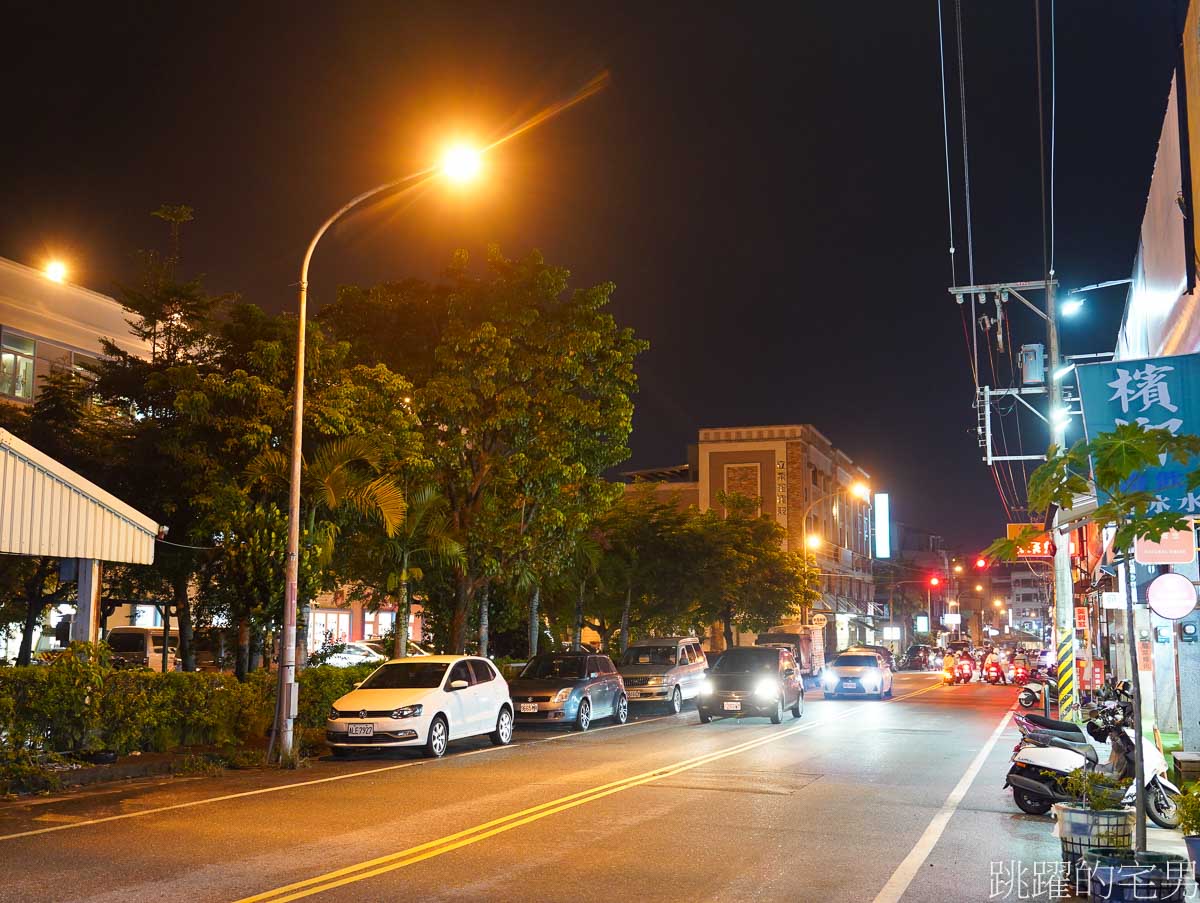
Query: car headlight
point(654, 681)
point(872, 679)
point(408, 711)
point(766, 688)
point(829, 679)
point(562, 695)
point(706, 688)
point(334, 714)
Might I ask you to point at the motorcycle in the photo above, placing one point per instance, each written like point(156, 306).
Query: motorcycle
point(1031, 693)
point(992, 674)
point(1020, 675)
point(963, 672)
point(1044, 759)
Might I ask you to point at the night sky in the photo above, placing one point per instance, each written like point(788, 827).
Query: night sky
point(765, 188)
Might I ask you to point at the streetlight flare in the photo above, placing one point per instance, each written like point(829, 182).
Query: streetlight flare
point(861, 490)
point(813, 541)
point(56, 271)
point(461, 163)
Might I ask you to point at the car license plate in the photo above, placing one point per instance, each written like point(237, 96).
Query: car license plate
point(733, 706)
point(848, 685)
point(361, 730)
point(634, 694)
point(528, 706)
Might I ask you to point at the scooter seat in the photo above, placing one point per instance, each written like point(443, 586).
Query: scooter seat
point(1084, 749)
point(1051, 724)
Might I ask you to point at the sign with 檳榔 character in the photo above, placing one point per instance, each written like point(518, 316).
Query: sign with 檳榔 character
point(1157, 393)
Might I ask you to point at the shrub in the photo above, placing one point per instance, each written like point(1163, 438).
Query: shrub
point(320, 687)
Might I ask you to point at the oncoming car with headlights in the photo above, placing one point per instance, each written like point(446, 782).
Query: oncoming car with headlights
point(572, 688)
point(752, 681)
point(857, 674)
point(426, 702)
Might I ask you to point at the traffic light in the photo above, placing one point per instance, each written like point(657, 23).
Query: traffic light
point(934, 581)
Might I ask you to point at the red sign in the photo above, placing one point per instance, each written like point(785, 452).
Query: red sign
point(1081, 618)
point(1145, 650)
point(1039, 546)
point(1089, 679)
point(1175, 547)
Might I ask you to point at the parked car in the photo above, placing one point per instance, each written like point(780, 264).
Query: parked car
point(355, 653)
point(857, 673)
point(572, 688)
point(141, 647)
point(752, 681)
point(385, 649)
point(663, 670)
point(424, 701)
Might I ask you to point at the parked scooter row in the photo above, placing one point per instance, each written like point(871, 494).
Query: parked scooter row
point(1050, 750)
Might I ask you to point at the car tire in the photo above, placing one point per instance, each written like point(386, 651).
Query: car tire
point(891, 691)
point(621, 710)
point(438, 739)
point(583, 719)
point(798, 708)
point(705, 718)
point(777, 715)
point(675, 703)
point(502, 735)
point(341, 752)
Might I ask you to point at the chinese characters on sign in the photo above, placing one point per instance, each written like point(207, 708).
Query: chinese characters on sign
point(1081, 618)
point(1175, 547)
point(1158, 393)
point(1038, 547)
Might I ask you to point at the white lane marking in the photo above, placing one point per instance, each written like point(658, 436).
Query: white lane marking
point(907, 870)
point(337, 777)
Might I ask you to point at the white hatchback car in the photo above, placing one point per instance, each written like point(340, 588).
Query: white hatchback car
point(422, 701)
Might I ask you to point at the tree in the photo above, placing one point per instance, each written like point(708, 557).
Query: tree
point(524, 391)
point(1110, 460)
point(31, 585)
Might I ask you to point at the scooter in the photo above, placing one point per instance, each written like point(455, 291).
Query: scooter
point(1031, 693)
point(992, 674)
point(963, 672)
point(1042, 762)
point(1020, 675)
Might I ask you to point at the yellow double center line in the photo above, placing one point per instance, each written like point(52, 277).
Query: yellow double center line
point(411, 856)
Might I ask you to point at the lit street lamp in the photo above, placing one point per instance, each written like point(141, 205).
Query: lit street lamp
point(460, 164)
point(56, 271)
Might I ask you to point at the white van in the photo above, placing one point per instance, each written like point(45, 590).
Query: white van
point(141, 647)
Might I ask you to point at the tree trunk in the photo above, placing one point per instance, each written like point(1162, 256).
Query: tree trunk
point(242, 663)
point(33, 613)
point(183, 608)
point(535, 620)
point(485, 599)
point(727, 620)
point(1139, 770)
point(302, 635)
point(625, 618)
point(402, 606)
point(166, 637)
point(256, 650)
point(458, 619)
point(577, 635)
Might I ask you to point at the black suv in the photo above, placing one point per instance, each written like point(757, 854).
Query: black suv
point(752, 680)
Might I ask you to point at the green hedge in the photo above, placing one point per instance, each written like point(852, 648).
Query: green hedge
point(79, 703)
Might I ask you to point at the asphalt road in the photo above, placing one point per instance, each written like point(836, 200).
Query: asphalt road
point(858, 800)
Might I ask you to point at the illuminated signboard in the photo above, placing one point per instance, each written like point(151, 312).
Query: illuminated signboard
point(883, 526)
point(1038, 547)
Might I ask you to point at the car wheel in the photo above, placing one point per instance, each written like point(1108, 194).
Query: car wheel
point(584, 719)
point(798, 708)
point(621, 712)
point(502, 735)
point(438, 739)
point(705, 718)
point(341, 752)
point(891, 690)
point(675, 704)
point(777, 715)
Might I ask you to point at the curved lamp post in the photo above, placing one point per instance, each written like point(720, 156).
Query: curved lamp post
point(460, 164)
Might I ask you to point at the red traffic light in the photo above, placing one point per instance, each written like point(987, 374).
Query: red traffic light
point(980, 562)
point(934, 581)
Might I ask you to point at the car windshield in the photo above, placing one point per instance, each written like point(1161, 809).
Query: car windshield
point(126, 642)
point(551, 667)
point(856, 661)
point(649, 655)
point(745, 661)
point(406, 675)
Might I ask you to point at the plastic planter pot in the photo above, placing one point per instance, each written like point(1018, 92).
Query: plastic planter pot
point(1123, 876)
point(1079, 829)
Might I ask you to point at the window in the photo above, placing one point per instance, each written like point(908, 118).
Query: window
point(16, 366)
point(697, 653)
point(459, 672)
point(483, 671)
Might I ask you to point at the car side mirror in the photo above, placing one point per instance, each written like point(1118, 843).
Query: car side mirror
point(789, 672)
point(459, 685)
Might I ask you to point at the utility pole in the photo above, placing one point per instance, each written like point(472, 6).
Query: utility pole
point(1064, 601)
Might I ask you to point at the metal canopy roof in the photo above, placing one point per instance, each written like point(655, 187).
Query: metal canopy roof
point(48, 509)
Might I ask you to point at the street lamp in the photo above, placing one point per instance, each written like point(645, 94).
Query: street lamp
point(813, 541)
point(859, 490)
point(56, 271)
point(460, 164)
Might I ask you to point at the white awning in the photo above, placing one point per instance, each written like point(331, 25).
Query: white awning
point(48, 509)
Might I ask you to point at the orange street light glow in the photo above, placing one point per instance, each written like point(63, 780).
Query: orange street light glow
point(56, 271)
point(814, 541)
point(461, 163)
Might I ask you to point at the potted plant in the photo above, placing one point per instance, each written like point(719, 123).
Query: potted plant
point(1097, 820)
point(1189, 822)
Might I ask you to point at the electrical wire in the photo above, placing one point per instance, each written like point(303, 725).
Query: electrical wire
point(1037, 22)
point(946, 149)
point(1053, 122)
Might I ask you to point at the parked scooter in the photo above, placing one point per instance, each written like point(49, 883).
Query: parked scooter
point(1044, 759)
point(1031, 693)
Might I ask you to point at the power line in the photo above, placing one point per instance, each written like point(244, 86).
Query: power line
point(1037, 22)
point(946, 148)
